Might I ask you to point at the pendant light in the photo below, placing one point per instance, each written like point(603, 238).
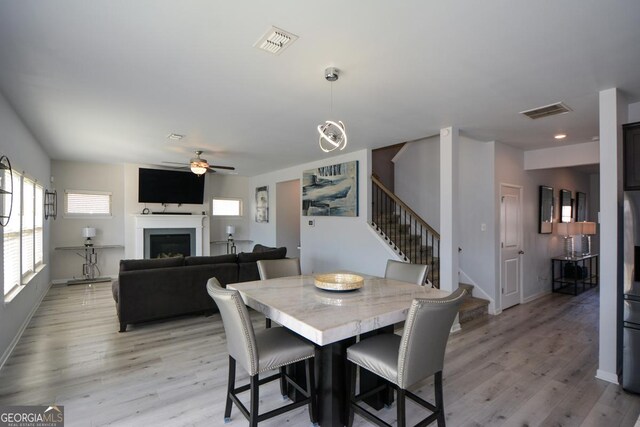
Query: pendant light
point(333, 134)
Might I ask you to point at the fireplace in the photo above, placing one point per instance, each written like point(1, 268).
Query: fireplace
point(197, 226)
point(169, 242)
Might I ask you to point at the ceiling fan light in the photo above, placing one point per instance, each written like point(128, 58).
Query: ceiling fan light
point(199, 166)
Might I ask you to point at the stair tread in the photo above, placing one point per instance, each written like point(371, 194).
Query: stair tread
point(471, 303)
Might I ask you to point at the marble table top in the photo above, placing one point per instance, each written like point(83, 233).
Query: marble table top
point(324, 317)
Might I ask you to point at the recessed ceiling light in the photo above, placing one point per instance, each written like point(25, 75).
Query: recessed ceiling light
point(560, 136)
point(175, 136)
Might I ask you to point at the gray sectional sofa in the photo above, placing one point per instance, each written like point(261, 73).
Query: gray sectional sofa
point(150, 289)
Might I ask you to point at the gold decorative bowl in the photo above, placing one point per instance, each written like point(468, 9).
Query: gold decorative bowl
point(339, 282)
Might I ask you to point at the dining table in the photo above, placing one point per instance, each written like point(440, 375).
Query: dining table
point(332, 320)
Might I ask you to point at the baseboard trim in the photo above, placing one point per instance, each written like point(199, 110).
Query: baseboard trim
point(607, 376)
point(535, 296)
point(14, 342)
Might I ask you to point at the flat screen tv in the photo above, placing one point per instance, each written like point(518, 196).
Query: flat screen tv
point(165, 186)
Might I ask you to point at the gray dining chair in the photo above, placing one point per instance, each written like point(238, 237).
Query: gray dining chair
point(405, 272)
point(258, 352)
point(274, 268)
point(405, 360)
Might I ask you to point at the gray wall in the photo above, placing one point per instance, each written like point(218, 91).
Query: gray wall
point(26, 155)
point(66, 231)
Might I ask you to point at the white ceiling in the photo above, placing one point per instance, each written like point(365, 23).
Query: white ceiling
point(108, 80)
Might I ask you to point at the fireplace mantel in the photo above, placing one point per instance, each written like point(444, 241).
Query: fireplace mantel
point(199, 222)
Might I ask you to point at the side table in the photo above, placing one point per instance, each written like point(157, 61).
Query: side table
point(568, 273)
point(90, 262)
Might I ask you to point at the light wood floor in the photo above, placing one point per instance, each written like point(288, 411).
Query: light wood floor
point(532, 365)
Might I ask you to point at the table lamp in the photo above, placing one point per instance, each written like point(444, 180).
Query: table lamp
point(231, 247)
point(567, 230)
point(588, 230)
point(88, 233)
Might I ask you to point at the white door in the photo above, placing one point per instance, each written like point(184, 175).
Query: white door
point(510, 245)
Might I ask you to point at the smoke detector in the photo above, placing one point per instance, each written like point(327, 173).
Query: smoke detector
point(547, 110)
point(275, 40)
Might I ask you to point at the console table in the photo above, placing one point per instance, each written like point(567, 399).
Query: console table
point(90, 262)
point(567, 273)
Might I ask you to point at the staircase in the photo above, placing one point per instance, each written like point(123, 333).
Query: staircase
point(416, 242)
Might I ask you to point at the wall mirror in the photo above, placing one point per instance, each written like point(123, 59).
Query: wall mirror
point(565, 206)
point(546, 210)
point(581, 206)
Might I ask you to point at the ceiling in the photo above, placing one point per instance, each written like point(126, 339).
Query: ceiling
point(108, 80)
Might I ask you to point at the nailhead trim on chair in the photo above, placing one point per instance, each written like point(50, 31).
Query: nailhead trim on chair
point(285, 364)
point(253, 351)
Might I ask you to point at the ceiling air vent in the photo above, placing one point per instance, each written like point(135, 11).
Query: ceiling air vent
point(546, 111)
point(275, 40)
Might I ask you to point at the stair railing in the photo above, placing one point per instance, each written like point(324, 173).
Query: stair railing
point(405, 230)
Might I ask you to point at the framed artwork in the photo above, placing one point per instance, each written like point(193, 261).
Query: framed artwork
point(566, 206)
point(546, 210)
point(331, 190)
point(262, 204)
point(581, 207)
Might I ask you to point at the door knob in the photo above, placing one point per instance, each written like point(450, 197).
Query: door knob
point(520, 252)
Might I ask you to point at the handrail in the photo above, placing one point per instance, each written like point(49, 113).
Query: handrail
point(404, 206)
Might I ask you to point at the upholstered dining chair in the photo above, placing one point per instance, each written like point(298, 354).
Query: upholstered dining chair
point(274, 268)
point(405, 360)
point(258, 352)
point(413, 273)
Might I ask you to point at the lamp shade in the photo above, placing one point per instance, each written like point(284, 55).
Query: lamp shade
point(88, 232)
point(561, 228)
point(588, 228)
point(575, 228)
point(231, 229)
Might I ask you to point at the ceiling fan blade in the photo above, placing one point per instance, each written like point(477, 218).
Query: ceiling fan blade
point(229, 168)
point(176, 163)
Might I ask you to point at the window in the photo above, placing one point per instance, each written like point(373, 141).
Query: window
point(23, 235)
point(87, 203)
point(226, 207)
point(11, 238)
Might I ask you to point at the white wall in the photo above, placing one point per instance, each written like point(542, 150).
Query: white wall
point(334, 243)
point(417, 178)
point(229, 186)
point(634, 112)
point(66, 231)
point(288, 218)
point(25, 154)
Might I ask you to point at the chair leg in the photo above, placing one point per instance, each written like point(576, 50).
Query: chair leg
point(283, 384)
point(437, 379)
point(311, 389)
point(255, 397)
point(352, 370)
point(231, 384)
point(402, 421)
point(267, 323)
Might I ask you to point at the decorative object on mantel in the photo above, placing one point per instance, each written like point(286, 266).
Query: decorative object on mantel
point(331, 190)
point(545, 225)
point(50, 204)
point(587, 229)
point(338, 282)
point(333, 134)
point(231, 246)
point(567, 230)
point(88, 233)
point(262, 204)
point(6, 190)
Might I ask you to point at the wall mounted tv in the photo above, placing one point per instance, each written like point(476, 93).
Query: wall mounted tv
point(166, 186)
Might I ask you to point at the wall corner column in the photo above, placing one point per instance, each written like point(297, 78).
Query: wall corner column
point(613, 114)
point(449, 208)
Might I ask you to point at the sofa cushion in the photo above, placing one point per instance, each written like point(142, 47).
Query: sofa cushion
point(146, 264)
point(220, 259)
point(257, 256)
point(262, 248)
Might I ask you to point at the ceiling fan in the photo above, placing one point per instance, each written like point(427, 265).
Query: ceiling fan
point(199, 166)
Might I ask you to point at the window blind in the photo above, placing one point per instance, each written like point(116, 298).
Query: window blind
point(11, 237)
point(39, 220)
point(81, 203)
point(27, 225)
